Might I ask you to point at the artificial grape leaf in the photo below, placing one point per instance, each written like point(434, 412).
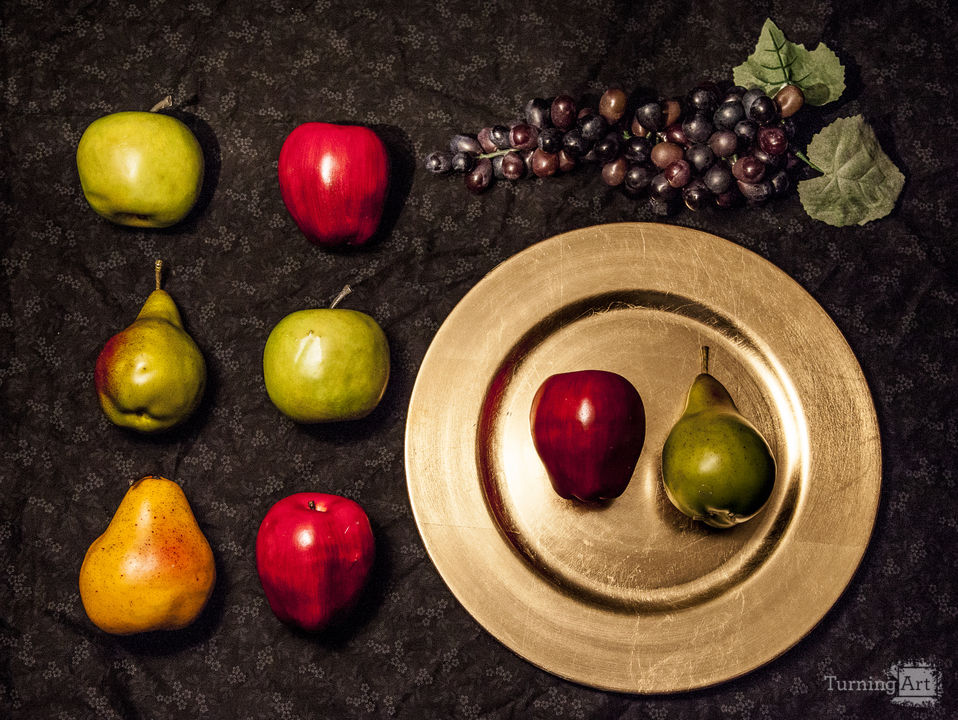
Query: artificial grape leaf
point(777, 62)
point(860, 182)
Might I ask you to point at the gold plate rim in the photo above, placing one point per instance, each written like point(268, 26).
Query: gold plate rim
point(640, 649)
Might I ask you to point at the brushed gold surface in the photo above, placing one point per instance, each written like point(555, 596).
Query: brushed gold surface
point(633, 596)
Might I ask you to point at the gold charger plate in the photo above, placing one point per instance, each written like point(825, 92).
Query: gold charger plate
point(633, 596)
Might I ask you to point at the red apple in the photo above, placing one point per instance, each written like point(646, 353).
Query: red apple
point(588, 428)
point(333, 179)
point(313, 553)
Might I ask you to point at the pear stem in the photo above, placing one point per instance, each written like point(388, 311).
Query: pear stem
point(342, 293)
point(705, 359)
point(163, 104)
point(159, 273)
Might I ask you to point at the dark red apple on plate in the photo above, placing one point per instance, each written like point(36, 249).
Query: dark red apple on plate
point(333, 179)
point(314, 552)
point(588, 427)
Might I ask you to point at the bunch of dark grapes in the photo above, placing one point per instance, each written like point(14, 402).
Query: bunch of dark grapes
point(710, 148)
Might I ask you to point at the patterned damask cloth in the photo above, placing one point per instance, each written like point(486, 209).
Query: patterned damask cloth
point(244, 74)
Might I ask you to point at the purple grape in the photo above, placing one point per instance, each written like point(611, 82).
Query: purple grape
point(574, 144)
point(497, 168)
point(772, 140)
point(750, 96)
point(678, 174)
point(718, 178)
point(674, 133)
point(696, 195)
point(439, 162)
point(697, 128)
point(613, 173)
point(734, 93)
point(638, 149)
point(550, 140)
point(764, 111)
point(780, 182)
point(746, 131)
point(464, 144)
point(607, 149)
point(538, 113)
point(772, 162)
point(728, 115)
point(563, 112)
point(499, 134)
point(755, 193)
point(703, 99)
point(665, 153)
point(480, 177)
point(513, 166)
point(650, 116)
point(593, 127)
point(748, 169)
point(638, 177)
point(485, 140)
point(661, 188)
point(523, 136)
point(544, 164)
point(700, 157)
point(724, 143)
point(463, 162)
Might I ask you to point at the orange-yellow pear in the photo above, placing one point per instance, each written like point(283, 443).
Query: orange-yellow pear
point(152, 569)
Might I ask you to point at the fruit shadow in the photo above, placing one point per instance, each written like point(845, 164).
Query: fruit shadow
point(212, 163)
point(160, 643)
point(402, 165)
point(346, 627)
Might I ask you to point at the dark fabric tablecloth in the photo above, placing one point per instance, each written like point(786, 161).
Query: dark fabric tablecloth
point(244, 74)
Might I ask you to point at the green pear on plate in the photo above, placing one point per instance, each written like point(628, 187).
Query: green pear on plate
point(143, 169)
point(716, 466)
point(151, 376)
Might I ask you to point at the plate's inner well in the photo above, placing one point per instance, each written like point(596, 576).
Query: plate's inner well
point(637, 551)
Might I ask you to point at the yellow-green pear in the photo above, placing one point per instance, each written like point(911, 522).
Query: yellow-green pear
point(152, 569)
point(151, 376)
point(716, 466)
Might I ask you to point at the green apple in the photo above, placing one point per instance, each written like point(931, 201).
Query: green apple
point(143, 169)
point(326, 364)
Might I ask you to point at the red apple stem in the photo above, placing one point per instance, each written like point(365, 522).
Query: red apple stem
point(705, 359)
point(158, 273)
point(342, 293)
point(311, 505)
point(163, 104)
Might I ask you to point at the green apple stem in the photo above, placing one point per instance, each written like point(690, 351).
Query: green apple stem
point(163, 104)
point(159, 273)
point(705, 359)
point(342, 293)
